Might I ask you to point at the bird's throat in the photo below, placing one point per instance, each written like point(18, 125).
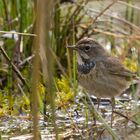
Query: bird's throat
point(85, 67)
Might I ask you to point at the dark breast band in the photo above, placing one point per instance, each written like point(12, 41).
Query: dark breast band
point(86, 67)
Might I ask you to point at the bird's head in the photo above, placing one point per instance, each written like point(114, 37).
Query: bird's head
point(88, 49)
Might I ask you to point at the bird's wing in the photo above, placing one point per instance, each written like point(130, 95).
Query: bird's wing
point(115, 67)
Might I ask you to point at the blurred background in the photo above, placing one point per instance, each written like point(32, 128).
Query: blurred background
point(39, 92)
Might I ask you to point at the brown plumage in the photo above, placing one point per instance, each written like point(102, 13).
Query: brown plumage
point(99, 72)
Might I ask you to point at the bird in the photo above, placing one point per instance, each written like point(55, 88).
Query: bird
point(99, 72)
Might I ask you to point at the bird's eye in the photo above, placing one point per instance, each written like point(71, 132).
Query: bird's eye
point(86, 48)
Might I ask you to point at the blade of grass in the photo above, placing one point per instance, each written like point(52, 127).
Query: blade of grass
point(100, 118)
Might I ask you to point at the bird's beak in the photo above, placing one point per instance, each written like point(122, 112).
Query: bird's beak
point(73, 47)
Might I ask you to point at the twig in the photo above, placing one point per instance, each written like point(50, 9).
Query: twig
point(117, 35)
point(26, 60)
point(126, 117)
point(102, 12)
point(15, 69)
point(18, 33)
point(118, 18)
point(94, 20)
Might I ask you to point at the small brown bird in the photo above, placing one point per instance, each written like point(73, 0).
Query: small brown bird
point(99, 72)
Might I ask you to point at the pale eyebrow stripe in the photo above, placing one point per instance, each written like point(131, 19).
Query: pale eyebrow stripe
point(84, 45)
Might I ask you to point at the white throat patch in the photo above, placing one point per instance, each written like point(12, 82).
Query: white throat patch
point(79, 59)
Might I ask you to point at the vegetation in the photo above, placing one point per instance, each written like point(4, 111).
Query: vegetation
point(38, 72)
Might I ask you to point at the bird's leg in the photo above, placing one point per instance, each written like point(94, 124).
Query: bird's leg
point(98, 102)
point(113, 106)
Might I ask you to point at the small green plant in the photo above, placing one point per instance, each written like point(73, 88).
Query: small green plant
point(65, 94)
